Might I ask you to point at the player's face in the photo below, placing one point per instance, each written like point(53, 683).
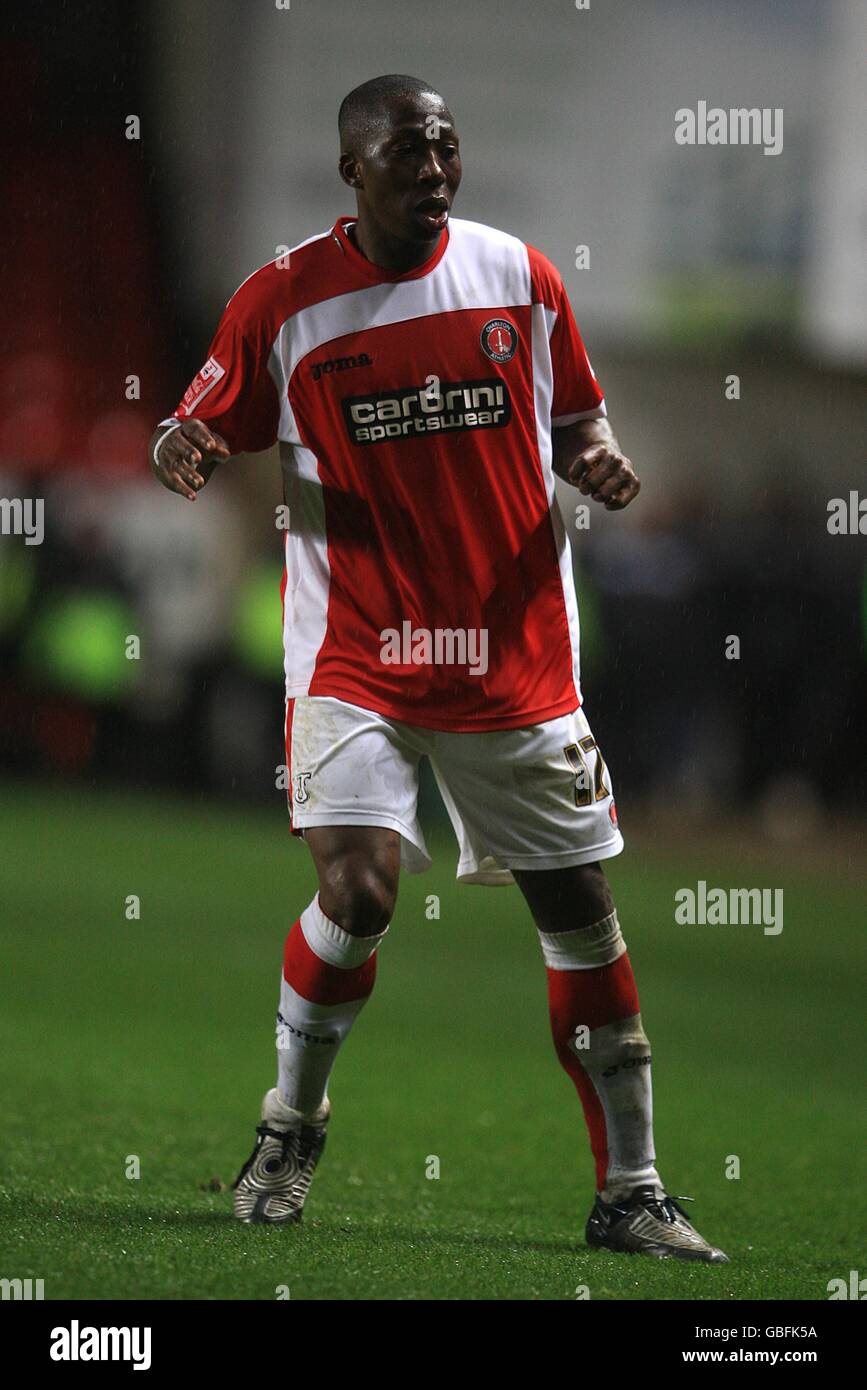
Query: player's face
point(411, 169)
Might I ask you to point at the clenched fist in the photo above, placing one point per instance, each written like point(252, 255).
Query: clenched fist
point(187, 458)
point(606, 475)
point(587, 455)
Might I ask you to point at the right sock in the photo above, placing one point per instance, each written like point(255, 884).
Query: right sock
point(328, 976)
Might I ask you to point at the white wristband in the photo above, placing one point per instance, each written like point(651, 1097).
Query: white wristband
point(174, 424)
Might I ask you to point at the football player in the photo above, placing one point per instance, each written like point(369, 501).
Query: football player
point(426, 381)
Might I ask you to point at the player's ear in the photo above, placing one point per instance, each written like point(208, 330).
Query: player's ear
point(350, 171)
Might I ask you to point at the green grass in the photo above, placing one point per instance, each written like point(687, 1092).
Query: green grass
point(154, 1038)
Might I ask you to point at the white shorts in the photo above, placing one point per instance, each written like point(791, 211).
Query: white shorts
point(534, 798)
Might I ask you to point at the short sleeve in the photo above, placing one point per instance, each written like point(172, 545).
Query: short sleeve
point(234, 392)
point(577, 394)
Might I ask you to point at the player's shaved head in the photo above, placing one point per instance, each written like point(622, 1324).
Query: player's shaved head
point(367, 107)
point(399, 152)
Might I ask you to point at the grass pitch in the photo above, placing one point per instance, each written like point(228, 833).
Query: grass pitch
point(153, 1038)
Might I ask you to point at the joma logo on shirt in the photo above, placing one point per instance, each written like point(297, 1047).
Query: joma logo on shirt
point(421, 410)
point(339, 364)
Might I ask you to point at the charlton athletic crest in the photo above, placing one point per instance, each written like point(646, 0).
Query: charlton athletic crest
point(499, 340)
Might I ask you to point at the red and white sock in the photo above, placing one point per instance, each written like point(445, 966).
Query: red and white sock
point(596, 1026)
point(328, 976)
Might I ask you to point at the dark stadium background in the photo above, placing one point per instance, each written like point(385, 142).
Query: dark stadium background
point(120, 254)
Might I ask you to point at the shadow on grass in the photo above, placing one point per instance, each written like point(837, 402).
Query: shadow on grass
point(114, 1217)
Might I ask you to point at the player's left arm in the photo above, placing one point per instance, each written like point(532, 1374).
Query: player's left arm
point(587, 455)
point(585, 452)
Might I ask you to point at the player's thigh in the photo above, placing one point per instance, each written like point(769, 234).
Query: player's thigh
point(353, 779)
point(538, 799)
point(348, 766)
point(563, 899)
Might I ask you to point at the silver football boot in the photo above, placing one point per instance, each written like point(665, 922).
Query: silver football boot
point(272, 1186)
point(646, 1224)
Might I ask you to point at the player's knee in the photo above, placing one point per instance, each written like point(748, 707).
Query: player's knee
point(360, 897)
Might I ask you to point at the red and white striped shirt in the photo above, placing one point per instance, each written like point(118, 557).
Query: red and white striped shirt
point(414, 415)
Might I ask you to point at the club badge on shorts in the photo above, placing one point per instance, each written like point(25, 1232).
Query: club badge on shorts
point(499, 340)
point(301, 792)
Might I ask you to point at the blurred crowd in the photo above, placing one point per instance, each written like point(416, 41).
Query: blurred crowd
point(722, 658)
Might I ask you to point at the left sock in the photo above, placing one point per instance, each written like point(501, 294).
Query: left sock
point(591, 986)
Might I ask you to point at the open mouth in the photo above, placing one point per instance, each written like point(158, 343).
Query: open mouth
point(434, 210)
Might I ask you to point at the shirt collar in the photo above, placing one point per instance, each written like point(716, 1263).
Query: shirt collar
point(376, 272)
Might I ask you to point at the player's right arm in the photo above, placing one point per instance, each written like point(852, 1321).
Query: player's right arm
point(183, 454)
point(231, 405)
